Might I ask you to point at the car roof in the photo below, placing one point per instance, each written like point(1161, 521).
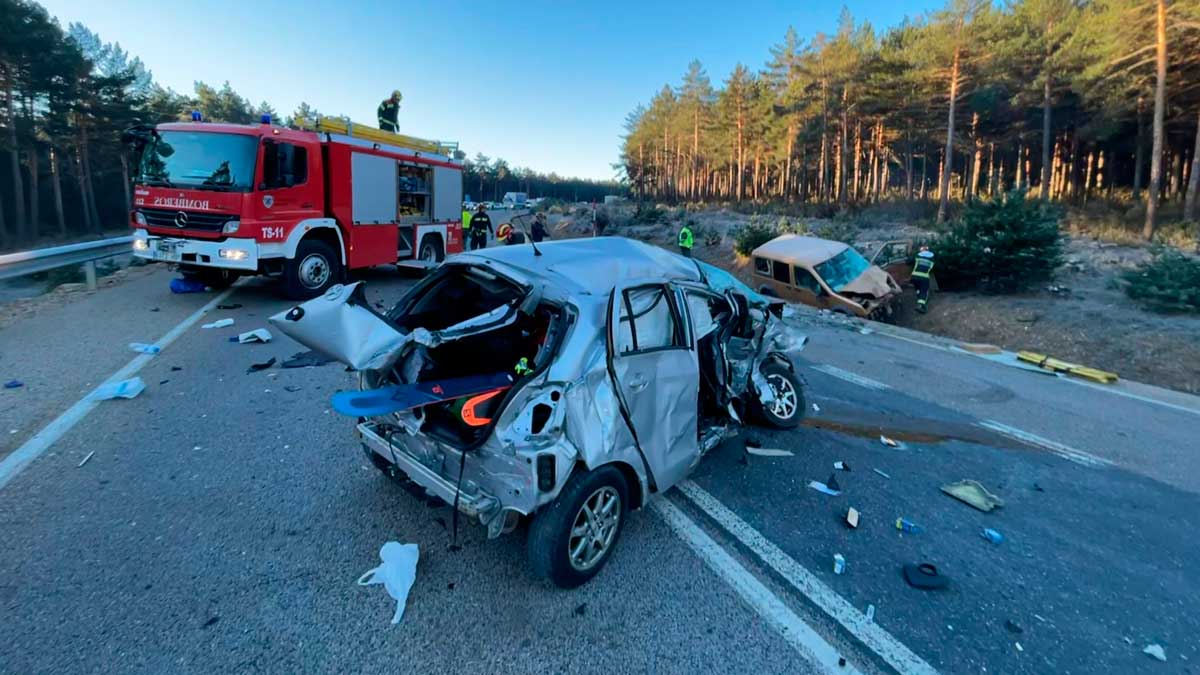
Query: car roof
point(591, 265)
point(800, 250)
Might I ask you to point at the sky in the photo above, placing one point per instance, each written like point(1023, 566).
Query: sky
point(545, 85)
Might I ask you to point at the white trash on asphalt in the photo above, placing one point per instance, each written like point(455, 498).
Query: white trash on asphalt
point(122, 389)
point(397, 573)
point(1156, 651)
point(256, 335)
point(220, 323)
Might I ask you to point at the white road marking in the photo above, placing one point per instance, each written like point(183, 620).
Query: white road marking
point(48, 436)
point(876, 639)
point(811, 646)
point(1064, 451)
point(851, 377)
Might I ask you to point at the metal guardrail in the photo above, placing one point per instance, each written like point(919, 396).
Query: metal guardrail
point(86, 253)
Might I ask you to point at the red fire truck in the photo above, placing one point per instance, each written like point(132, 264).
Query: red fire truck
point(225, 200)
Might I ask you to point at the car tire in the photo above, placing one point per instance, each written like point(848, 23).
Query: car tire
point(314, 269)
point(431, 250)
point(788, 409)
point(551, 539)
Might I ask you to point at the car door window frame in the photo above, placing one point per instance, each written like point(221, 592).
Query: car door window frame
point(678, 340)
point(799, 272)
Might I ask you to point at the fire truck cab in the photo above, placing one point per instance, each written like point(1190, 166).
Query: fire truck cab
point(225, 200)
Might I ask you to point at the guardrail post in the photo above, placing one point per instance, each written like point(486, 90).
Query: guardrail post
point(89, 271)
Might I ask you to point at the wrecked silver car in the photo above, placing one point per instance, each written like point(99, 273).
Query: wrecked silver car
point(564, 384)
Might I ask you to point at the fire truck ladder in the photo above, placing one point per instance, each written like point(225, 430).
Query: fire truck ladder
point(343, 125)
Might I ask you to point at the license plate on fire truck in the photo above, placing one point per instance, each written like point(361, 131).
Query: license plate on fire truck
point(167, 249)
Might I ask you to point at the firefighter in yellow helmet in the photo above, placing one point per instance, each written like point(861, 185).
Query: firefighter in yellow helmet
point(389, 111)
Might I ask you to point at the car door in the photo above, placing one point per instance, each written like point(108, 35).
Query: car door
point(288, 196)
point(656, 376)
point(893, 257)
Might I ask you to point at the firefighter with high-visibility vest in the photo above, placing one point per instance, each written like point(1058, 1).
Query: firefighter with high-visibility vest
point(686, 240)
point(389, 112)
point(922, 269)
point(466, 224)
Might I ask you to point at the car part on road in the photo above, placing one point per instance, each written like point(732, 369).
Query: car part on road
point(13, 384)
point(397, 573)
point(753, 448)
point(255, 367)
point(823, 488)
point(905, 525)
point(309, 359)
point(852, 517)
point(839, 563)
point(972, 492)
point(256, 335)
point(1052, 364)
point(122, 389)
point(992, 535)
point(401, 397)
point(889, 442)
point(219, 323)
point(841, 466)
point(881, 473)
point(1156, 651)
point(85, 459)
point(143, 348)
point(924, 576)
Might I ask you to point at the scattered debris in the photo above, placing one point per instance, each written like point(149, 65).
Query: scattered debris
point(1039, 617)
point(1052, 364)
point(1038, 488)
point(211, 620)
point(882, 474)
point(905, 525)
point(1013, 627)
point(753, 449)
point(144, 348)
point(162, 382)
point(1156, 651)
point(852, 517)
point(232, 305)
point(256, 335)
point(122, 389)
point(1058, 290)
point(450, 586)
point(821, 487)
point(306, 360)
point(1019, 647)
point(175, 368)
point(839, 563)
point(255, 367)
point(888, 442)
point(924, 576)
point(992, 535)
point(832, 483)
point(85, 459)
point(870, 613)
point(13, 384)
point(292, 388)
point(816, 408)
point(866, 331)
point(972, 492)
point(581, 609)
point(219, 323)
point(397, 573)
point(187, 286)
point(841, 466)
point(154, 309)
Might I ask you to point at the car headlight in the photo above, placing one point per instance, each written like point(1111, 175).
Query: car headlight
point(231, 227)
point(232, 253)
point(141, 245)
point(139, 218)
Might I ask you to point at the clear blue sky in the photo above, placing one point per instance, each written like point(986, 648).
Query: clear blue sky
point(542, 84)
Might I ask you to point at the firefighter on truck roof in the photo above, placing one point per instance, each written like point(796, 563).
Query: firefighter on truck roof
point(388, 112)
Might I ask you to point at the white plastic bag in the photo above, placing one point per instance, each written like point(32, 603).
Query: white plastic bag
point(397, 573)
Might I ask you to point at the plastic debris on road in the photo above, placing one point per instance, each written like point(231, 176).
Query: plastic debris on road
point(397, 573)
point(256, 335)
point(1156, 651)
point(754, 449)
point(255, 367)
point(839, 563)
point(972, 492)
point(85, 459)
point(187, 286)
point(992, 535)
point(906, 525)
point(816, 408)
point(882, 474)
point(123, 389)
point(144, 348)
point(233, 305)
point(852, 517)
point(13, 384)
point(870, 613)
point(889, 442)
point(823, 488)
point(841, 466)
point(220, 323)
point(306, 360)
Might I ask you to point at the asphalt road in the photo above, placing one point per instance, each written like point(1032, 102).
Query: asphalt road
point(224, 517)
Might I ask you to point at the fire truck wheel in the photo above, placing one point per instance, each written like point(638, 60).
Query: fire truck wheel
point(431, 249)
point(314, 269)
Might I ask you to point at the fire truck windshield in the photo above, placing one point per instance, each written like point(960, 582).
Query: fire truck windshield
point(200, 161)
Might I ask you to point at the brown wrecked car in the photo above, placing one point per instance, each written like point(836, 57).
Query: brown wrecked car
point(826, 274)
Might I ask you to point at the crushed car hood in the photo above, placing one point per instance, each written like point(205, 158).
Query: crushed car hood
point(873, 281)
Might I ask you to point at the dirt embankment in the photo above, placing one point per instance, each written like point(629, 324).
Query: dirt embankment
point(1087, 319)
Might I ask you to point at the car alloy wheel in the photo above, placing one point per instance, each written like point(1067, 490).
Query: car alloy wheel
point(594, 529)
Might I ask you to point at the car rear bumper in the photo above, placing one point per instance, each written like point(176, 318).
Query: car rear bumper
point(232, 253)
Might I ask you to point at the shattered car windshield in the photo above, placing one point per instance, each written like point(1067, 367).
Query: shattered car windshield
point(200, 161)
point(842, 268)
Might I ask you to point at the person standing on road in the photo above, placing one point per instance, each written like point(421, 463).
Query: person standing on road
point(922, 269)
point(481, 227)
point(389, 112)
point(538, 230)
point(686, 240)
point(466, 224)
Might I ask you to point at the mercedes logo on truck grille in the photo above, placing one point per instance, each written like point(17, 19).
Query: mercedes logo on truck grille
point(181, 219)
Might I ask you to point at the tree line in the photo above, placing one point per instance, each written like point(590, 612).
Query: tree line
point(67, 96)
point(487, 179)
point(1068, 99)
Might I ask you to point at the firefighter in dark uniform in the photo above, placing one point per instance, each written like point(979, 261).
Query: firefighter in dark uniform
point(481, 227)
point(922, 269)
point(388, 112)
point(537, 231)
